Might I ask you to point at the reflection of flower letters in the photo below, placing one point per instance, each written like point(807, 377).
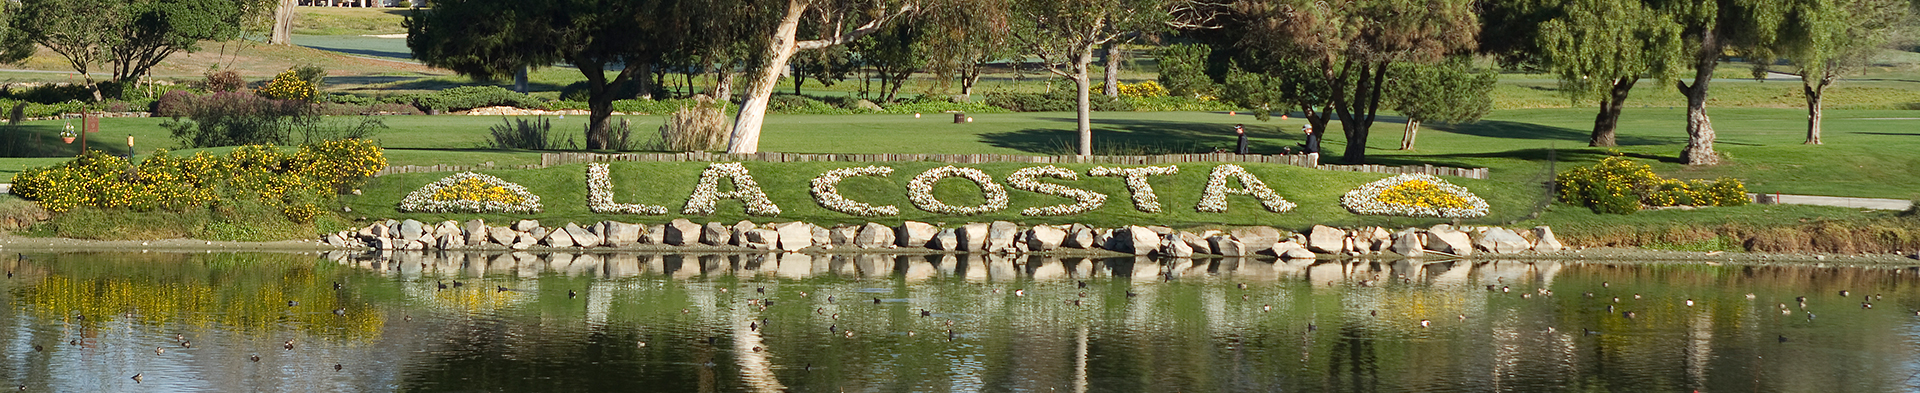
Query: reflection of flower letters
point(826, 191)
point(920, 191)
point(744, 189)
point(600, 195)
point(1214, 198)
point(1023, 180)
point(1143, 196)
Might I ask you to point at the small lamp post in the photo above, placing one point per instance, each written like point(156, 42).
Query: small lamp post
point(129, 147)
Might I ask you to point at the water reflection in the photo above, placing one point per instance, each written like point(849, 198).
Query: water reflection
point(456, 321)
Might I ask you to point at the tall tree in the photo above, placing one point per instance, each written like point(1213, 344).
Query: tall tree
point(1600, 48)
point(963, 37)
point(1826, 39)
point(1347, 47)
point(1711, 29)
point(282, 23)
point(130, 36)
point(894, 54)
point(72, 28)
point(1448, 92)
point(15, 44)
point(1064, 34)
point(837, 22)
point(490, 39)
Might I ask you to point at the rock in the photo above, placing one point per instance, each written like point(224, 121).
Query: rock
point(1195, 243)
point(915, 233)
point(715, 234)
point(794, 236)
point(843, 235)
point(1501, 241)
point(620, 234)
point(526, 225)
point(681, 232)
point(539, 232)
point(1079, 236)
point(450, 241)
point(1297, 253)
point(523, 241)
point(1162, 230)
point(821, 236)
point(476, 231)
point(502, 235)
point(1326, 240)
point(973, 236)
point(1409, 242)
point(874, 235)
point(1176, 247)
point(449, 227)
point(740, 232)
point(1225, 245)
point(947, 240)
point(1103, 238)
point(580, 236)
point(867, 106)
point(1379, 240)
point(1138, 240)
point(412, 230)
point(760, 238)
point(1544, 241)
point(372, 231)
point(1444, 238)
point(1045, 237)
point(559, 238)
point(656, 234)
point(1257, 239)
point(1001, 235)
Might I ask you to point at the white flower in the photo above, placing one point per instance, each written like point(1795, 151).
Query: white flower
point(600, 195)
point(1023, 180)
point(826, 191)
point(422, 201)
point(1365, 200)
point(1143, 197)
point(744, 189)
point(920, 191)
point(1213, 199)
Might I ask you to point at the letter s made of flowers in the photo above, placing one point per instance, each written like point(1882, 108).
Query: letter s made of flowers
point(826, 191)
point(744, 189)
point(1023, 180)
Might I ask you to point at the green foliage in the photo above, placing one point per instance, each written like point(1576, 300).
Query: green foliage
point(469, 97)
point(1594, 43)
point(229, 119)
point(1183, 70)
point(1448, 92)
point(1617, 185)
point(1058, 100)
point(939, 106)
point(536, 134)
point(1175, 103)
point(1258, 92)
point(132, 36)
point(793, 104)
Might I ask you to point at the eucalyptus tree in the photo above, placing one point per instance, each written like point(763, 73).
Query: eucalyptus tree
point(1599, 49)
point(490, 39)
point(1448, 92)
point(963, 36)
point(1826, 39)
point(1346, 48)
point(128, 36)
point(832, 23)
point(1064, 34)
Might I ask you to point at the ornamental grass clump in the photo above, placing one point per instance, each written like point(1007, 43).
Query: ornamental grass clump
point(700, 127)
point(1617, 185)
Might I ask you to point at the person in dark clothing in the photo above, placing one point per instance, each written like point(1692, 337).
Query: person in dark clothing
point(1313, 139)
point(1242, 130)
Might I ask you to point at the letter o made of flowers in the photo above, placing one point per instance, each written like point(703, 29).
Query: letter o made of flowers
point(920, 191)
point(1023, 179)
point(826, 191)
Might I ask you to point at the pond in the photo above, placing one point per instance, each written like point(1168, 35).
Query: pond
point(234, 322)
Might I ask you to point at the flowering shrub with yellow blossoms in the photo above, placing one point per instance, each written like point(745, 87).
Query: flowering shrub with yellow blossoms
point(296, 182)
point(288, 86)
point(1618, 185)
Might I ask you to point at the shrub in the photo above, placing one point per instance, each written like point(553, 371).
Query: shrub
point(228, 119)
point(534, 134)
point(802, 105)
point(225, 81)
point(252, 174)
point(577, 91)
point(698, 127)
point(469, 97)
point(173, 104)
point(49, 93)
point(343, 98)
point(1617, 185)
point(1183, 70)
point(1175, 104)
point(312, 74)
point(1137, 90)
point(1061, 100)
point(288, 86)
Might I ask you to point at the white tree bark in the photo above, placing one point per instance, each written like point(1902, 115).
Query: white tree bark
point(282, 23)
point(753, 112)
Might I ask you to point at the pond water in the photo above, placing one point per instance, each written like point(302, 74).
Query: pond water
point(234, 322)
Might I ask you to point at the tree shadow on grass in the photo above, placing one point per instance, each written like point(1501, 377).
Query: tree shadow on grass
point(1887, 133)
point(1516, 130)
point(1538, 155)
point(43, 141)
point(1134, 137)
point(364, 52)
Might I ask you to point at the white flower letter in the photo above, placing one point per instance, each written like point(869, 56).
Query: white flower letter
point(600, 195)
point(826, 191)
point(1214, 198)
point(744, 189)
point(1143, 196)
point(920, 190)
point(1023, 180)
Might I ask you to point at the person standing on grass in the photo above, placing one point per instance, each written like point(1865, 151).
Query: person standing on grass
point(1312, 147)
point(1242, 130)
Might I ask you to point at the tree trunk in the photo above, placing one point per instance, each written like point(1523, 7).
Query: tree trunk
point(1406, 139)
point(1357, 122)
point(282, 23)
point(1608, 120)
point(1083, 90)
point(643, 78)
point(1113, 69)
point(753, 112)
point(724, 79)
point(1814, 91)
point(520, 80)
point(1699, 150)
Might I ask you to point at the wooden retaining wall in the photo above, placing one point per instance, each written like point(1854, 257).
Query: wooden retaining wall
point(553, 159)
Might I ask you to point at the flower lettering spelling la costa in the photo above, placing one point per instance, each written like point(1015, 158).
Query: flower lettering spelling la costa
point(826, 191)
point(1414, 195)
point(744, 189)
point(469, 192)
point(1214, 198)
point(1087, 200)
point(920, 191)
point(1143, 196)
point(600, 195)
